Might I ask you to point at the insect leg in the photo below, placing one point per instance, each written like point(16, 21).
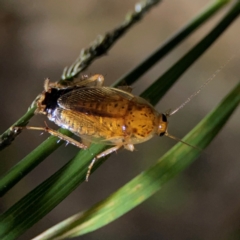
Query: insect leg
point(98, 80)
point(95, 80)
point(54, 133)
point(125, 88)
point(100, 155)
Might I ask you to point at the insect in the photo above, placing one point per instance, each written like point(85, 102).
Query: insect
point(99, 114)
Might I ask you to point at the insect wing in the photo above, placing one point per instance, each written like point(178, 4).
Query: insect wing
point(95, 111)
point(95, 100)
point(84, 124)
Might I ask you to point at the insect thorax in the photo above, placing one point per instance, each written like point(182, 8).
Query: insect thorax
point(47, 101)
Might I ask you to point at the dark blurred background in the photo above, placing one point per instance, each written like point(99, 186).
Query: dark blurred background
point(38, 39)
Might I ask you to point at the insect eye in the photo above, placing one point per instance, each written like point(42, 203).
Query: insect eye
point(164, 118)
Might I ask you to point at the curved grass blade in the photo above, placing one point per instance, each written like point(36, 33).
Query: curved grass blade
point(48, 146)
point(9, 135)
point(150, 181)
point(167, 79)
point(28, 163)
point(171, 43)
point(103, 43)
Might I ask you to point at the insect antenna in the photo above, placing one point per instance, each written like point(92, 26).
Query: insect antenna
point(170, 113)
point(180, 140)
point(201, 87)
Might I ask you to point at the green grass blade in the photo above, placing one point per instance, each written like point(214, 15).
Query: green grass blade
point(150, 181)
point(171, 43)
point(46, 196)
point(103, 43)
point(28, 163)
point(9, 135)
point(168, 78)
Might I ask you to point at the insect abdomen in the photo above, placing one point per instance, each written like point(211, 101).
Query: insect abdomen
point(140, 121)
